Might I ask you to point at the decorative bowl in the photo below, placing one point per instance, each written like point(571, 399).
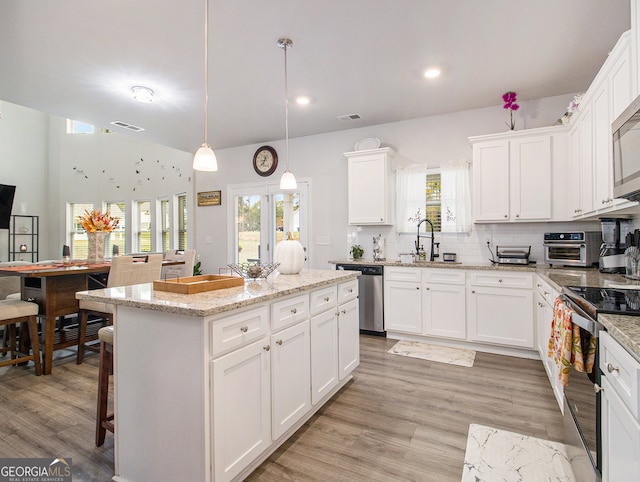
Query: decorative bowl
point(253, 270)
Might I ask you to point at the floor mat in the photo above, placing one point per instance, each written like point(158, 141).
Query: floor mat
point(436, 353)
point(494, 454)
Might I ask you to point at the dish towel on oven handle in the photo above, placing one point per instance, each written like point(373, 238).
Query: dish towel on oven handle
point(566, 346)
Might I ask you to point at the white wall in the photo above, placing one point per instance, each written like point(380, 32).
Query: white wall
point(43, 157)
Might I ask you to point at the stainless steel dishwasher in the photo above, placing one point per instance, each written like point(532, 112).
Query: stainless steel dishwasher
point(370, 296)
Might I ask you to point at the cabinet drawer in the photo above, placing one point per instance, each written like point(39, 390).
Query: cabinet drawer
point(323, 300)
point(444, 276)
point(290, 311)
point(501, 279)
point(392, 273)
point(546, 291)
point(347, 291)
point(239, 329)
point(622, 372)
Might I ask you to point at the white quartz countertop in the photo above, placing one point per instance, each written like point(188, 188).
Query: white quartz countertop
point(217, 301)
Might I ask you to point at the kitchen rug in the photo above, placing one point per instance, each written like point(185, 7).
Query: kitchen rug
point(494, 454)
point(436, 353)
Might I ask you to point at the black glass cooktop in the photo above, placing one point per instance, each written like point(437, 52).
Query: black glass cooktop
point(607, 300)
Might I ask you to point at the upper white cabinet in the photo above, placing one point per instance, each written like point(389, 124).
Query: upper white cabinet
point(516, 175)
point(610, 93)
point(371, 186)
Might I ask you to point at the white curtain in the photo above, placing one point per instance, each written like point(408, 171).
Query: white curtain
point(411, 197)
point(456, 197)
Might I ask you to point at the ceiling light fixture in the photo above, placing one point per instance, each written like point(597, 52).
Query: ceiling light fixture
point(205, 158)
point(142, 94)
point(432, 73)
point(288, 180)
point(302, 100)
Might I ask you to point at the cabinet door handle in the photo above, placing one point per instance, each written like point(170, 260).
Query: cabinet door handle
point(344, 312)
point(244, 329)
point(611, 368)
point(278, 342)
point(350, 290)
point(326, 298)
point(266, 348)
point(294, 311)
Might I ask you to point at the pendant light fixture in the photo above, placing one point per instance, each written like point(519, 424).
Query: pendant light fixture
point(288, 181)
point(205, 158)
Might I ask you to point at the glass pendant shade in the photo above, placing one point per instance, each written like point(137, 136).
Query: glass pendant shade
point(205, 159)
point(288, 181)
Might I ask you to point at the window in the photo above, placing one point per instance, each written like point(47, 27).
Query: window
point(118, 235)
point(143, 226)
point(77, 234)
point(165, 225)
point(77, 127)
point(433, 196)
point(182, 222)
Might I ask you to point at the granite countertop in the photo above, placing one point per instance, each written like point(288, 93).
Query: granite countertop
point(217, 301)
point(439, 264)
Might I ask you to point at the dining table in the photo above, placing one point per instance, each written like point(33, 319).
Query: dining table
point(53, 287)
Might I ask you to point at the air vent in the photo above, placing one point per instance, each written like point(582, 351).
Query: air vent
point(349, 117)
point(124, 125)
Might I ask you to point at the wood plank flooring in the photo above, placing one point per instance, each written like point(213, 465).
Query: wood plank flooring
point(400, 419)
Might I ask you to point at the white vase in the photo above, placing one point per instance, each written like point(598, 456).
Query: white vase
point(96, 247)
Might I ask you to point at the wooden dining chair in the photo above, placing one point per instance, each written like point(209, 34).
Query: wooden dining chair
point(124, 271)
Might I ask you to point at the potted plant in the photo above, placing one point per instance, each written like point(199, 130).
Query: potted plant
point(357, 251)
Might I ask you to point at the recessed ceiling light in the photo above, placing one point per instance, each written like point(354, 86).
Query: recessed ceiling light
point(302, 100)
point(142, 94)
point(432, 73)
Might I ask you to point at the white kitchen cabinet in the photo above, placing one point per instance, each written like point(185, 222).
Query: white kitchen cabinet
point(443, 303)
point(324, 354)
point(290, 377)
point(371, 186)
point(348, 338)
point(501, 316)
point(619, 412)
point(241, 408)
point(546, 296)
point(516, 175)
point(402, 306)
point(582, 193)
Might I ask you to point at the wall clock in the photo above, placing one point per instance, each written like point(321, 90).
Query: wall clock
point(265, 160)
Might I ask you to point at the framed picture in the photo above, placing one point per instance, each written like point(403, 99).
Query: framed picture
point(210, 198)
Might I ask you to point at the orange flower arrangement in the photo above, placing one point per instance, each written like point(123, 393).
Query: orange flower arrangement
point(95, 221)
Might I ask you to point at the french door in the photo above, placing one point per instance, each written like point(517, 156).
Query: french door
point(262, 215)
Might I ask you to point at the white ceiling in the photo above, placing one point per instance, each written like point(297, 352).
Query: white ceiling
point(79, 58)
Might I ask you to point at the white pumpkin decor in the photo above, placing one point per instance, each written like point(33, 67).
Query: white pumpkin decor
point(290, 254)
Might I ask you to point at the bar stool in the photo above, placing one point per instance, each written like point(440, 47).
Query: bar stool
point(104, 421)
point(13, 312)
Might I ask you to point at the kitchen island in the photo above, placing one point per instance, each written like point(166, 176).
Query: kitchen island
point(208, 385)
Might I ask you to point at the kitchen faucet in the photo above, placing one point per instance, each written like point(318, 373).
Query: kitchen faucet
point(418, 236)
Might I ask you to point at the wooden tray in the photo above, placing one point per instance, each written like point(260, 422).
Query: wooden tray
point(198, 284)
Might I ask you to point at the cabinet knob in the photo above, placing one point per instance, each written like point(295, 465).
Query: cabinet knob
point(506, 216)
point(326, 298)
point(278, 342)
point(266, 348)
point(294, 311)
point(473, 292)
point(517, 215)
point(597, 388)
point(611, 368)
point(427, 288)
point(244, 329)
point(417, 287)
point(350, 290)
point(500, 280)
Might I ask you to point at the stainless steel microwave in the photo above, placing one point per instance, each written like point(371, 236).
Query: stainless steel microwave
point(626, 153)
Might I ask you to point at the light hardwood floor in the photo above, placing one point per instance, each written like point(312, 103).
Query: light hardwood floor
point(400, 418)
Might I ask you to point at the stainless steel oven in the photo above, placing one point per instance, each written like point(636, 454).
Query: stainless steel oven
point(577, 248)
point(582, 400)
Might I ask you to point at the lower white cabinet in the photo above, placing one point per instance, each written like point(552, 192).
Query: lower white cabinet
point(324, 354)
point(348, 338)
point(619, 412)
point(544, 315)
point(241, 402)
point(443, 308)
point(402, 306)
point(620, 438)
point(290, 377)
point(501, 315)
